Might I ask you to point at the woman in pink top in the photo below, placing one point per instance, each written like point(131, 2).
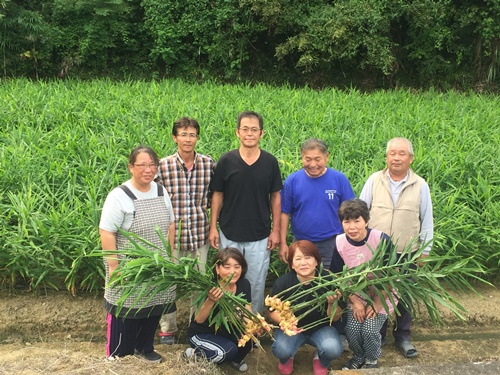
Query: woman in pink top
point(364, 319)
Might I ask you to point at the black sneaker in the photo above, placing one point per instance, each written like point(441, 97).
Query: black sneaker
point(352, 364)
point(150, 357)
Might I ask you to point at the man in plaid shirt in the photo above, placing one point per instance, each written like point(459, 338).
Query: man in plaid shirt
point(186, 176)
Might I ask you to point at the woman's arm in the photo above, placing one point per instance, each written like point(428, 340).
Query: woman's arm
point(372, 310)
point(214, 295)
point(338, 310)
point(108, 243)
point(358, 308)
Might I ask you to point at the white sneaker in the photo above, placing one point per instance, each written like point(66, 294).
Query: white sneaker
point(189, 353)
point(241, 367)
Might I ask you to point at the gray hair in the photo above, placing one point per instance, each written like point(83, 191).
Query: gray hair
point(397, 139)
point(314, 144)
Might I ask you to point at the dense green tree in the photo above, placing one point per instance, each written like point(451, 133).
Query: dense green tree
point(479, 25)
point(430, 41)
point(99, 37)
point(458, 45)
point(197, 36)
point(25, 37)
point(371, 43)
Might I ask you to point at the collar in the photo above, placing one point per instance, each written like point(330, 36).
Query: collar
point(182, 161)
point(397, 182)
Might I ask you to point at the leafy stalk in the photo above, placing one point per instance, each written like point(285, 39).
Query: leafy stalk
point(414, 286)
point(146, 272)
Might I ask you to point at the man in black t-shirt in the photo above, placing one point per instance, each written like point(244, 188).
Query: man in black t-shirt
point(246, 202)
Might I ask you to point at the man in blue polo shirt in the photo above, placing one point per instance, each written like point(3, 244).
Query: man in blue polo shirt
point(311, 198)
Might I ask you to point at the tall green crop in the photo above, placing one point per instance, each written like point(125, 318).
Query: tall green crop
point(63, 147)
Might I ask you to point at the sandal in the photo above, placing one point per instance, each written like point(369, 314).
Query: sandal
point(241, 367)
point(407, 349)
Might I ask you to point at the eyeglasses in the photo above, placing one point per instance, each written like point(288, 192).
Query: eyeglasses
point(249, 130)
point(143, 167)
point(186, 135)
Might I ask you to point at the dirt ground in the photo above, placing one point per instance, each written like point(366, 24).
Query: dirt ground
point(55, 333)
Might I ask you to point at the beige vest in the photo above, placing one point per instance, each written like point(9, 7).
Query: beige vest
point(402, 222)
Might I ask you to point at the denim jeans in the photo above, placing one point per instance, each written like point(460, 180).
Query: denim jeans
point(325, 339)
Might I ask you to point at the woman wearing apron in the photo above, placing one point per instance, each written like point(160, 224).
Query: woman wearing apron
point(137, 206)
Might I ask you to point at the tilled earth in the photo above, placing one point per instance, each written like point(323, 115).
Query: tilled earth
point(56, 333)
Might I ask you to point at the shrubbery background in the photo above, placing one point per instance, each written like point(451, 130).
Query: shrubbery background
point(361, 43)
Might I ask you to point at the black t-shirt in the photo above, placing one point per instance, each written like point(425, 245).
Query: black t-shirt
point(242, 287)
point(245, 214)
point(289, 280)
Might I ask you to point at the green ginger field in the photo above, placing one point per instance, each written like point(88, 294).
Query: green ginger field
point(63, 147)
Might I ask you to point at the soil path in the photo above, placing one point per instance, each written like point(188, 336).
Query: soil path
point(56, 333)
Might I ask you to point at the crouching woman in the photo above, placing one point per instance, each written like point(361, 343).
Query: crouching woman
point(304, 260)
point(218, 346)
point(357, 245)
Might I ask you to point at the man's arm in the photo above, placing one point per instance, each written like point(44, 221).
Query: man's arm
point(213, 236)
point(367, 192)
point(210, 191)
point(159, 173)
point(426, 219)
point(347, 191)
point(274, 237)
point(283, 249)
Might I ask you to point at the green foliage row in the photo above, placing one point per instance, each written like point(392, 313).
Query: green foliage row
point(368, 43)
point(148, 273)
point(63, 147)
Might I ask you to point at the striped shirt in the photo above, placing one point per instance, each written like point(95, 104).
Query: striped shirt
point(190, 196)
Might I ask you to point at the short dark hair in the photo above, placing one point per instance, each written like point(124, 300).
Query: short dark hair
point(185, 122)
point(352, 209)
point(245, 114)
point(223, 255)
point(306, 247)
point(139, 150)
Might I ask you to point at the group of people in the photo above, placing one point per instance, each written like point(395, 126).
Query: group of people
point(250, 212)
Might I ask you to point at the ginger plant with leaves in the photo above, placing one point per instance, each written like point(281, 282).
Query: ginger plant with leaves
point(146, 272)
point(389, 274)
